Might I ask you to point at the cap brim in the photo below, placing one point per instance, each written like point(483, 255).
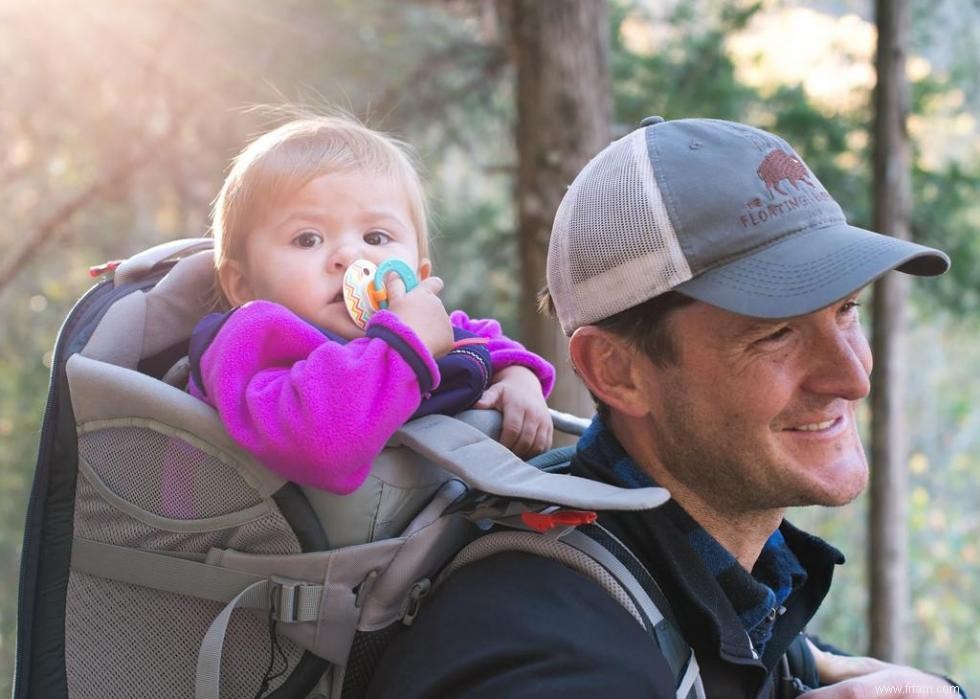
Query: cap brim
point(809, 270)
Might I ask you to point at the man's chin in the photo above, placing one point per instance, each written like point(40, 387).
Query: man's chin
point(842, 484)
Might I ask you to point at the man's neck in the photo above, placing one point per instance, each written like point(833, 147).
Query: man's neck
point(741, 533)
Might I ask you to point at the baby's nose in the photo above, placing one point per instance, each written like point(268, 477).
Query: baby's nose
point(343, 256)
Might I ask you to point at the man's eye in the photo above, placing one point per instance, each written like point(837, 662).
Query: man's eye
point(307, 239)
point(850, 306)
point(376, 238)
point(777, 335)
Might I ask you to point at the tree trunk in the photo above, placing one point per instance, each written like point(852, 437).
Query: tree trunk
point(888, 555)
point(564, 108)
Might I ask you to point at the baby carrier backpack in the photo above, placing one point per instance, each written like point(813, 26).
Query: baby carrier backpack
point(148, 527)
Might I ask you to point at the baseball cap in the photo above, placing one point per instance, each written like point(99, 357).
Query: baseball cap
point(722, 212)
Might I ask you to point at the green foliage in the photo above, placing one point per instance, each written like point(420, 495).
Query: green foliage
point(690, 75)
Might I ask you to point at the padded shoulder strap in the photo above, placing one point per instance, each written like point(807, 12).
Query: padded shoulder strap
point(643, 588)
point(485, 465)
point(587, 556)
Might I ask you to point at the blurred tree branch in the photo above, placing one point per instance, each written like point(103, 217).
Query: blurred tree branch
point(49, 227)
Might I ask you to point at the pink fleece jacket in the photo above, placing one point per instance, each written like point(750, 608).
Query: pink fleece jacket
point(318, 411)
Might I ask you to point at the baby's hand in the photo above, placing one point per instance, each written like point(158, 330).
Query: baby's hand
point(527, 427)
point(422, 311)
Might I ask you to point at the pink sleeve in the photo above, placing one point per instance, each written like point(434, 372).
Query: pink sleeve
point(505, 352)
point(315, 411)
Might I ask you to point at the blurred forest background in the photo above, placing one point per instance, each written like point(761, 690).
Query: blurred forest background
point(118, 121)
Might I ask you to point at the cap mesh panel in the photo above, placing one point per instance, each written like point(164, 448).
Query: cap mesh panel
point(613, 245)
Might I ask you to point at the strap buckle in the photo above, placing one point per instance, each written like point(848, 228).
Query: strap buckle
point(292, 601)
point(282, 599)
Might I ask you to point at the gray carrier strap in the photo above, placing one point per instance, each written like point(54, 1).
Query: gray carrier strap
point(593, 549)
point(690, 683)
point(675, 649)
point(487, 466)
point(158, 571)
point(582, 553)
point(288, 601)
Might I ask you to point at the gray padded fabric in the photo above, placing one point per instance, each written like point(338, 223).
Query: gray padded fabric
point(118, 338)
point(101, 392)
point(174, 306)
point(400, 483)
point(149, 638)
point(142, 324)
point(487, 466)
point(164, 474)
point(143, 263)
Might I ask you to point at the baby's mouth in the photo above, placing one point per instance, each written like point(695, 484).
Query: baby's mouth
point(338, 298)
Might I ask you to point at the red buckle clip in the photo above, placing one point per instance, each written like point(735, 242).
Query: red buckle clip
point(104, 268)
point(543, 522)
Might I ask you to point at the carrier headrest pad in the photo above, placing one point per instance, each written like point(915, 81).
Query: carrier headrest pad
point(142, 324)
point(174, 306)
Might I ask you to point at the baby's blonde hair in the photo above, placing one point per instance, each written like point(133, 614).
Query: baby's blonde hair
point(278, 163)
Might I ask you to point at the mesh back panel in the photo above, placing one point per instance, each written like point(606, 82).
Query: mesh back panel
point(124, 640)
point(615, 199)
point(129, 641)
point(165, 475)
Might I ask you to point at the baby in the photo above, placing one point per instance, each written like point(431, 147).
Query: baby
point(296, 382)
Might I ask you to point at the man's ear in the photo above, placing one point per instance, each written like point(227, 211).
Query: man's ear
point(611, 369)
point(234, 283)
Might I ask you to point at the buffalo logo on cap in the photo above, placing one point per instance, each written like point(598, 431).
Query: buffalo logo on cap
point(779, 166)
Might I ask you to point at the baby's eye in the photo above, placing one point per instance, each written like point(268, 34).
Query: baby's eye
point(376, 238)
point(307, 239)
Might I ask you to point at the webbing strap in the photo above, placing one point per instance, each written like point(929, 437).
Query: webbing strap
point(290, 601)
point(207, 682)
point(668, 637)
point(158, 570)
point(691, 680)
point(604, 556)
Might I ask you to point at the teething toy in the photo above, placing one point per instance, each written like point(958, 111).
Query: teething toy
point(364, 287)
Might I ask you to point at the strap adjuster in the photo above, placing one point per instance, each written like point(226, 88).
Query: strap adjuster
point(292, 601)
point(282, 599)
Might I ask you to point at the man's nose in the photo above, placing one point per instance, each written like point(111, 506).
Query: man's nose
point(840, 364)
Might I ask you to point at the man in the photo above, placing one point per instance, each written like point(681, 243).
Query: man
point(709, 284)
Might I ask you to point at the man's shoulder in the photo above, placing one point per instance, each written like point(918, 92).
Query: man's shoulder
point(518, 625)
